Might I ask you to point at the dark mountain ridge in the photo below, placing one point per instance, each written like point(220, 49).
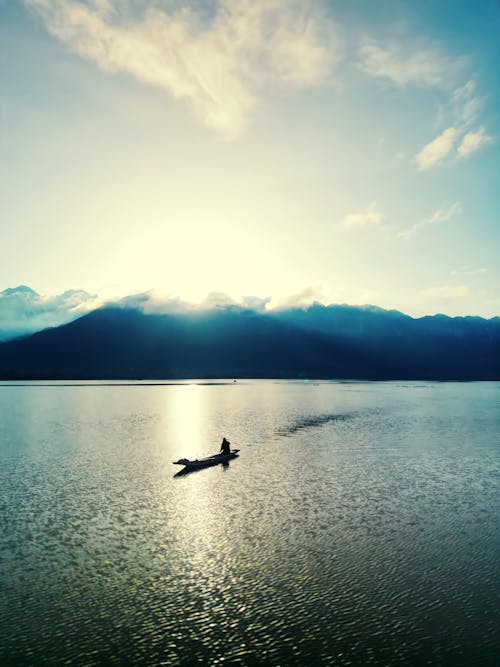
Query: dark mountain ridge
point(318, 342)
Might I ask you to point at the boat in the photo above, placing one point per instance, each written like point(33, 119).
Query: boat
point(208, 461)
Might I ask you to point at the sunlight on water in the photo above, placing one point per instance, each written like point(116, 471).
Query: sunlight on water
point(185, 409)
point(358, 526)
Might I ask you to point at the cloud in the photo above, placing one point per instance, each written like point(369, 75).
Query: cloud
point(439, 216)
point(303, 299)
point(369, 216)
point(218, 60)
point(256, 303)
point(435, 151)
point(424, 64)
point(443, 214)
point(464, 109)
point(418, 63)
point(472, 141)
point(24, 311)
point(465, 104)
point(151, 302)
point(468, 270)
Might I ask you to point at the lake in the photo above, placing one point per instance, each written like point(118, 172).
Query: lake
point(358, 526)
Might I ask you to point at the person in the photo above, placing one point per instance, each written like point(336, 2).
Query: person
point(224, 448)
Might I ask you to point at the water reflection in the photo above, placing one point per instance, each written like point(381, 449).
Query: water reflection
point(185, 413)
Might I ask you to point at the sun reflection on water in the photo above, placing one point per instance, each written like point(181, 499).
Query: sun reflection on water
point(185, 415)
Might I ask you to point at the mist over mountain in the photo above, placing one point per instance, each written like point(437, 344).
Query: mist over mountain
point(24, 311)
point(234, 341)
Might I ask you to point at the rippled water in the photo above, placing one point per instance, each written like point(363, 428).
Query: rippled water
point(358, 526)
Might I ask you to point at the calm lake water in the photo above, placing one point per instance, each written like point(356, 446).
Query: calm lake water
point(359, 526)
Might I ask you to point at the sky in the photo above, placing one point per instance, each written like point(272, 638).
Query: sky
point(333, 151)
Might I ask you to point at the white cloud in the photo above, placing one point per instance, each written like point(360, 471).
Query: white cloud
point(468, 270)
point(151, 302)
point(416, 63)
point(23, 311)
point(472, 141)
point(464, 109)
point(424, 64)
point(439, 216)
point(218, 63)
point(443, 214)
point(303, 299)
point(369, 216)
point(435, 151)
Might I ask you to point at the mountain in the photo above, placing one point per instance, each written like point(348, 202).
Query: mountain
point(24, 311)
point(20, 290)
point(318, 342)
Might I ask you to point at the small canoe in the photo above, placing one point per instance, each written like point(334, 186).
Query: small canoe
point(208, 461)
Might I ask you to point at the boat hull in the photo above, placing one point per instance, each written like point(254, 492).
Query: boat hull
point(208, 461)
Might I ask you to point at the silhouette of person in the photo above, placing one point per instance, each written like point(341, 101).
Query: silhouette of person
point(224, 448)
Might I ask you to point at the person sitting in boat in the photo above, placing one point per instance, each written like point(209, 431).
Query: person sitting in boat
point(224, 448)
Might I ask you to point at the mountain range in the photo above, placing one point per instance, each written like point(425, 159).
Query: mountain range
point(337, 341)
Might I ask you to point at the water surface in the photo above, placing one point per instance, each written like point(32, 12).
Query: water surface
point(358, 526)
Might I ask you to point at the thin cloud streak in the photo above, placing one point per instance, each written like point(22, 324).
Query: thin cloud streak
point(419, 64)
point(367, 217)
point(465, 104)
point(219, 66)
point(441, 215)
point(469, 270)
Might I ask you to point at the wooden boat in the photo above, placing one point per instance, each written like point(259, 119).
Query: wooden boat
point(208, 461)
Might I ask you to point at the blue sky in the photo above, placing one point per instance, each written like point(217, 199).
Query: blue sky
point(345, 152)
